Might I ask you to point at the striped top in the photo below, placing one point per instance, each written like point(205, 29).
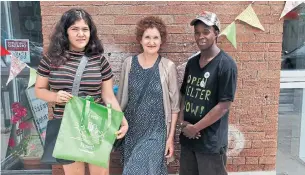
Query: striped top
point(61, 78)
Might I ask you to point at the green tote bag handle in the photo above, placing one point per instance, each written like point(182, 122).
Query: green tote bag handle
point(89, 131)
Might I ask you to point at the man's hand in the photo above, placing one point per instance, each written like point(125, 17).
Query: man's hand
point(191, 132)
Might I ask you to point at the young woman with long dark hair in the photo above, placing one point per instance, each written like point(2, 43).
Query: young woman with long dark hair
point(75, 35)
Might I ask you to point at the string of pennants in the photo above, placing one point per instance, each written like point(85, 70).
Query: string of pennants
point(248, 16)
point(17, 66)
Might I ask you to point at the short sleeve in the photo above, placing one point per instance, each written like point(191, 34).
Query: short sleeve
point(184, 82)
point(227, 84)
point(106, 70)
point(44, 67)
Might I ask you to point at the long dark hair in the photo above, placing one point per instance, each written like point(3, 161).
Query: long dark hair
point(59, 42)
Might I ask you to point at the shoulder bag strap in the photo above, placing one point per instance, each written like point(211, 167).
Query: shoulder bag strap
point(78, 75)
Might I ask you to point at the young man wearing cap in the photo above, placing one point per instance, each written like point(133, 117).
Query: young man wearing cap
point(207, 90)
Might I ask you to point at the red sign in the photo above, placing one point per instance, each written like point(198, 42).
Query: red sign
point(17, 45)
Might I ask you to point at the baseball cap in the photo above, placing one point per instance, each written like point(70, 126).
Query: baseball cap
point(207, 18)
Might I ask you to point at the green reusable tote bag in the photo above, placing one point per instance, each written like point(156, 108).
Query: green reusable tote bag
point(87, 132)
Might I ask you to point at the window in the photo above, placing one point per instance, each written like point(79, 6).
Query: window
point(291, 121)
point(294, 43)
point(19, 20)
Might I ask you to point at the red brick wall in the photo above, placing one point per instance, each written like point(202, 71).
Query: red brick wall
point(253, 119)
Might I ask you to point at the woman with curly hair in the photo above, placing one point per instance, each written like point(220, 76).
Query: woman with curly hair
point(74, 38)
point(149, 96)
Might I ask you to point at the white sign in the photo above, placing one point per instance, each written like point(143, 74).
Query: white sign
point(40, 112)
point(20, 48)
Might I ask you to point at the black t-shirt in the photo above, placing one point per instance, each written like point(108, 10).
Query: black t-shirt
point(203, 89)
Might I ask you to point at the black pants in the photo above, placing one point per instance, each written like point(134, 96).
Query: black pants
point(194, 163)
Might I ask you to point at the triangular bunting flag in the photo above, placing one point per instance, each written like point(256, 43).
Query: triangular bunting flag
point(16, 67)
point(249, 16)
point(3, 51)
point(290, 5)
point(230, 33)
point(32, 78)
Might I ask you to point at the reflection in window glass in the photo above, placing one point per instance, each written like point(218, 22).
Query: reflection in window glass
point(293, 56)
point(27, 25)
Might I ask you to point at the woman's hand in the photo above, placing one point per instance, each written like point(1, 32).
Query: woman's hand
point(123, 130)
point(169, 149)
point(63, 97)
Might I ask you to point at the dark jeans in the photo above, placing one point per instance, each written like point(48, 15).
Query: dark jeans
point(194, 163)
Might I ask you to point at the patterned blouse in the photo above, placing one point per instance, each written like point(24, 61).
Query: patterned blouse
point(61, 78)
